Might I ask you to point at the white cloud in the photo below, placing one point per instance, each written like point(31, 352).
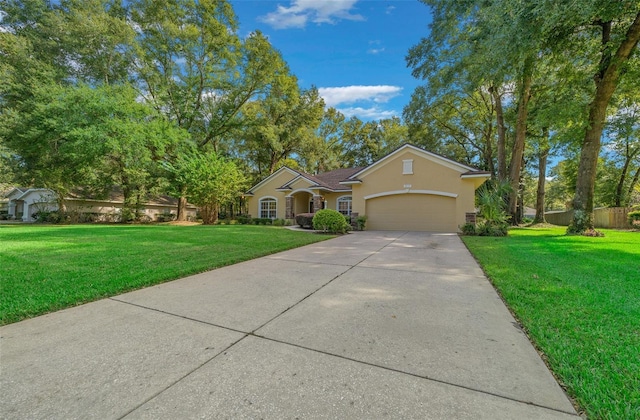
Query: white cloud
point(390, 9)
point(349, 94)
point(302, 11)
point(375, 50)
point(374, 113)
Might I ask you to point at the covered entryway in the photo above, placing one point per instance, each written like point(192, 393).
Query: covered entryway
point(412, 212)
point(303, 201)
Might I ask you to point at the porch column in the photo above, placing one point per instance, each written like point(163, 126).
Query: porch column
point(317, 203)
point(289, 208)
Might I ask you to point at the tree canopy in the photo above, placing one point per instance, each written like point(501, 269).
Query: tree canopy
point(548, 67)
point(100, 93)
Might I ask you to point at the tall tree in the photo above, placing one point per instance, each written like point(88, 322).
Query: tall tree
point(623, 147)
point(30, 45)
point(364, 143)
point(618, 29)
point(456, 124)
point(213, 181)
point(184, 51)
point(501, 128)
point(95, 39)
point(281, 124)
point(193, 67)
point(81, 41)
point(474, 44)
point(544, 148)
point(517, 154)
point(7, 176)
point(326, 151)
point(66, 137)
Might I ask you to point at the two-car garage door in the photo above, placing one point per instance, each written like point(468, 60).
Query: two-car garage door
point(417, 212)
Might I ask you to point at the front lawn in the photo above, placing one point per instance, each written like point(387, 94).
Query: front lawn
point(46, 268)
point(579, 300)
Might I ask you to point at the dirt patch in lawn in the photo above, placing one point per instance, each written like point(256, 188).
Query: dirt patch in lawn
point(184, 223)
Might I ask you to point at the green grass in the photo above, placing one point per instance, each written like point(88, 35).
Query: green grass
point(46, 268)
point(579, 300)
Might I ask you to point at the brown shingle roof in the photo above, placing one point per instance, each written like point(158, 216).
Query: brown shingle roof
point(332, 179)
point(328, 180)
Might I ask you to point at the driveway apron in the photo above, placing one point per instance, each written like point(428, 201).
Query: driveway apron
point(368, 325)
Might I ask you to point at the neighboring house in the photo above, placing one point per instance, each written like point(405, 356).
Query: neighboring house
point(409, 189)
point(24, 202)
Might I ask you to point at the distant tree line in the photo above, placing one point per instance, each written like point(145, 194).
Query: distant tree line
point(160, 96)
point(165, 96)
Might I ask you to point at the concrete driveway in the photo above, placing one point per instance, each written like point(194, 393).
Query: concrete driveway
point(368, 325)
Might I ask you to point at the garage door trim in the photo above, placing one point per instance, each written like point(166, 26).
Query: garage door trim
point(407, 191)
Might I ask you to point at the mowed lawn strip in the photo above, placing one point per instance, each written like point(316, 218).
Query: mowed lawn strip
point(47, 268)
point(579, 300)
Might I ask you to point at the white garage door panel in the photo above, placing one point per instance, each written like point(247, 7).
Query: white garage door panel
point(417, 212)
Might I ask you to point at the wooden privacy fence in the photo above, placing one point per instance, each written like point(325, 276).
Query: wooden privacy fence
point(604, 217)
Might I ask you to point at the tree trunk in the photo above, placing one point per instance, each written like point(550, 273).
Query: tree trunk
point(632, 185)
point(127, 213)
point(209, 214)
point(518, 145)
point(520, 206)
point(540, 193)
point(623, 177)
point(273, 161)
point(606, 82)
point(502, 135)
point(182, 205)
point(585, 183)
point(488, 152)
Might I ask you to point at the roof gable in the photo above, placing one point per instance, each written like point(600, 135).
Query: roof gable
point(22, 193)
point(326, 180)
point(430, 156)
point(273, 175)
point(16, 192)
point(302, 181)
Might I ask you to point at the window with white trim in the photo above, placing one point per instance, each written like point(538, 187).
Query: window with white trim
point(344, 205)
point(407, 167)
point(267, 208)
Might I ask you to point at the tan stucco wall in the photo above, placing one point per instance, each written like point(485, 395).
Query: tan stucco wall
point(332, 199)
point(300, 184)
point(268, 189)
point(428, 175)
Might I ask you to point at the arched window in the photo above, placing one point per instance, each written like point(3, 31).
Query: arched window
point(267, 208)
point(344, 205)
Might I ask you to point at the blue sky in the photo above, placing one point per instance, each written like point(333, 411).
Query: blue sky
point(353, 51)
